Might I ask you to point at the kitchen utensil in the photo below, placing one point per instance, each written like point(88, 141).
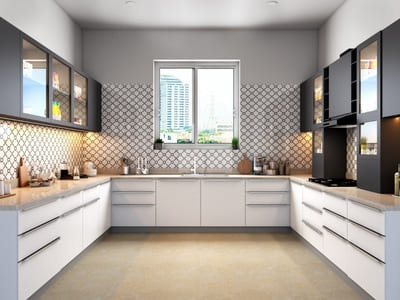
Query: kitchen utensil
point(75, 173)
point(23, 179)
point(245, 166)
point(125, 170)
point(257, 165)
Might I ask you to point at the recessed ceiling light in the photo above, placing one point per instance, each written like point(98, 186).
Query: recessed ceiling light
point(130, 2)
point(272, 2)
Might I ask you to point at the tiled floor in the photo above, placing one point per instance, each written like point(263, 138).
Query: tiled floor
point(200, 266)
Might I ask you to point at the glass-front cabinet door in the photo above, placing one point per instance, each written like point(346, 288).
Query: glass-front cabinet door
point(80, 99)
point(318, 143)
point(369, 138)
point(61, 101)
point(34, 80)
point(368, 63)
point(318, 100)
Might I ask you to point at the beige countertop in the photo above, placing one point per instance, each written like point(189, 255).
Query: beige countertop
point(27, 196)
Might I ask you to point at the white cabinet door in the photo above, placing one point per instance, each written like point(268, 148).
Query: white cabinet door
point(296, 198)
point(222, 202)
point(335, 249)
point(105, 207)
point(178, 203)
point(91, 209)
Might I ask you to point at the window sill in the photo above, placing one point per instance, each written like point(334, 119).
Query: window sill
point(198, 146)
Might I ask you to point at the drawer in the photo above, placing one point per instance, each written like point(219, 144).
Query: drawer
point(267, 215)
point(335, 222)
point(126, 185)
point(335, 204)
point(369, 241)
point(313, 235)
point(313, 197)
point(133, 198)
point(367, 216)
point(33, 217)
point(133, 215)
point(366, 271)
point(267, 198)
point(335, 249)
point(313, 216)
point(273, 185)
point(91, 194)
point(31, 241)
point(39, 268)
point(70, 202)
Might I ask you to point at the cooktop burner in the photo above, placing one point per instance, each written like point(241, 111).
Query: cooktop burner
point(333, 181)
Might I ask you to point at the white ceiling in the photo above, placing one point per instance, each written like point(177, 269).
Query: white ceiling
point(201, 14)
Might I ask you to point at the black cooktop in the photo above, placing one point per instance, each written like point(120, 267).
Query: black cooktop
point(333, 181)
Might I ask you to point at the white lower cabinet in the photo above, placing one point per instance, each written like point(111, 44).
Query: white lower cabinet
point(90, 211)
point(178, 203)
point(335, 249)
point(312, 217)
point(296, 199)
point(223, 202)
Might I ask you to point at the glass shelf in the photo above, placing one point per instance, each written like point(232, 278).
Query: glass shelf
point(369, 78)
point(34, 80)
point(61, 82)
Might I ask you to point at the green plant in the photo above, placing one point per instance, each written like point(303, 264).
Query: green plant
point(159, 141)
point(235, 143)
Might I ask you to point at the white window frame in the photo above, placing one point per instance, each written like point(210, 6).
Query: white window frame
point(196, 64)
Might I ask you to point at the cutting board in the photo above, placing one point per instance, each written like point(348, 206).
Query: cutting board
point(245, 165)
point(23, 173)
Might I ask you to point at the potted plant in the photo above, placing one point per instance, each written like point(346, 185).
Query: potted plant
point(158, 144)
point(235, 143)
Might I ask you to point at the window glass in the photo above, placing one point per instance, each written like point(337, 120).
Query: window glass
point(369, 138)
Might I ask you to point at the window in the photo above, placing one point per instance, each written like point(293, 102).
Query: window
point(196, 103)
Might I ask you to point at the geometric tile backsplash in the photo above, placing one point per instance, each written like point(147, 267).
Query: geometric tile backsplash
point(42, 147)
point(269, 126)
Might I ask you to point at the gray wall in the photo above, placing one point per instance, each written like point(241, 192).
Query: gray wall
point(47, 23)
point(266, 56)
point(351, 24)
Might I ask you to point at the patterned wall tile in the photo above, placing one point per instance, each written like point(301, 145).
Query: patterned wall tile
point(269, 126)
point(40, 146)
point(351, 153)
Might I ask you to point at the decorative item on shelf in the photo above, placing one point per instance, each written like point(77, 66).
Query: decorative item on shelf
point(287, 167)
point(125, 162)
point(235, 143)
point(23, 178)
point(257, 165)
point(56, 81)
point(78, 92)
point(78, 121)
point(75, 173)
point(158, 144)
point(56, 110)
point(245, 166)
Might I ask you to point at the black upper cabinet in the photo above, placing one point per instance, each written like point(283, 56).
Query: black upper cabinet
point(306, 105)
point(340, 87)
point(39, 87)
point(391, 70)
point(10, 70)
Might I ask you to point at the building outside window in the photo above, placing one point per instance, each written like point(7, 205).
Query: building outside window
point(196, 103)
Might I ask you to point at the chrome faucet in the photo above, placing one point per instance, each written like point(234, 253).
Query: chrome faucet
point(194, 169)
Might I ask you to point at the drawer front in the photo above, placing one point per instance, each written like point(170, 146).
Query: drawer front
point(313, 197)
point(367, 272)
point(33, 240)
point(273, 185)
point(313, 235)
point(267, 215)
point(367, 240)
point(91, 194)
point(335, 249)
point(366, 216)
point(36, 270)
point(335, 222)
point(28, 219)
point(133, 215)
point(335, 204)
point(312, 216)
point(70, 202)
point(267, 198)
point(126, 185)
point(133, 198)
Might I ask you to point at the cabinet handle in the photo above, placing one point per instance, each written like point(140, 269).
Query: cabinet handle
point(313, 227)
point(312, 208)
point(45, 224)
point(366, 253)
point(267, 204)
point(179, 179)
point(367, 229)
point(70, 212)
point(266, 192)
point(137, 204)
point(36, 205)
point(334, 213)
point(365, 205)
point(222, 180)
point(91, 202)
point(33, 254)
point(334, 233)
point(133, 192)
